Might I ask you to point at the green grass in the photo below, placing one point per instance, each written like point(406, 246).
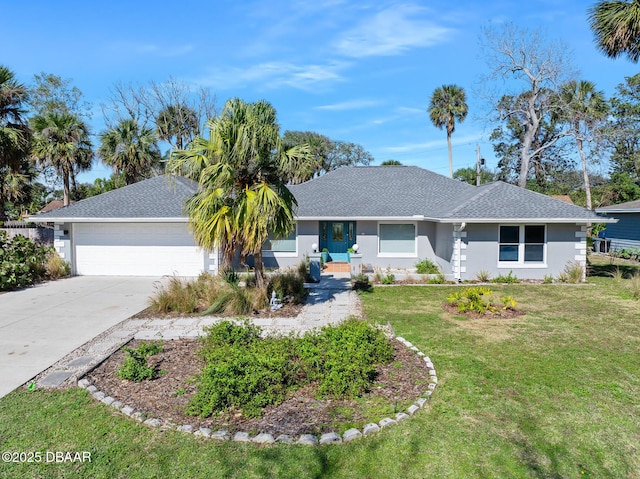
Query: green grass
point(550, 394)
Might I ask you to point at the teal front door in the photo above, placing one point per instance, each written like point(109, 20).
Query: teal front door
point(337, 236)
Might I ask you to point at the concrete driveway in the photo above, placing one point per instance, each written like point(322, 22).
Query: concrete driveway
point(42, 324)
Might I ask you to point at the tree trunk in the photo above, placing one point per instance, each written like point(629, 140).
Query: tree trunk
point(259, 269)
point(65, 188)
point(587, 186)
point(450, 155)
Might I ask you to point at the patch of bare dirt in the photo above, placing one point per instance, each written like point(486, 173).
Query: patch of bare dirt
point(398, 384)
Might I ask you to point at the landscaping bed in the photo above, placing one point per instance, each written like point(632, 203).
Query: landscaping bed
point(398, 384)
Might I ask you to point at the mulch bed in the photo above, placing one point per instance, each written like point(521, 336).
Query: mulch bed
point(398, 384)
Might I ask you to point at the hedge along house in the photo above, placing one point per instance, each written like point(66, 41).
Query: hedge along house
point(625, 234)
point(397, 215)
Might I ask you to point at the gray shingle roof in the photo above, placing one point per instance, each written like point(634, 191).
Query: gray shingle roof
point(387, 191)
point(504, 201)
point(159, 197)
point(629, 205)
point(379, 191)
point(358, 192)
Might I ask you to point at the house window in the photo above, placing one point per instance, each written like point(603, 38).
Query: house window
point(522, 244)
point(397, 239)
point(281, 245)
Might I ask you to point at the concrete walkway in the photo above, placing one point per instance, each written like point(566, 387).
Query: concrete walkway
point(329, 302)
point(44, 323)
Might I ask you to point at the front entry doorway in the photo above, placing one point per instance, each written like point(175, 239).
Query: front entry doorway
point(337, 236)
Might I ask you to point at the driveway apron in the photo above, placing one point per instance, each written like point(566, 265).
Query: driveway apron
point(42, 324)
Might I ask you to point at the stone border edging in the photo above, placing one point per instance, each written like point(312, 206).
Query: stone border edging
point(267, 438)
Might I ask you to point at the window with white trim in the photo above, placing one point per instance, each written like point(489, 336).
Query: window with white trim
point(397, 239)
point(281, 245)
point(522, 244)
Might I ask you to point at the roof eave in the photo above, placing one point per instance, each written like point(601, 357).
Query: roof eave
point(530, 220)
point(51, 219)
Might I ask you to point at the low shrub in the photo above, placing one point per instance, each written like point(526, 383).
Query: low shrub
point(135, 366)
point(245, 372)
point(388, 279)
point(343, 358)
point(479, 299)
point(426, 266)
point(360, 282)
point(508, 279)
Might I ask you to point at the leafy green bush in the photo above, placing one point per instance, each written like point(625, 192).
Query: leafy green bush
point(242, 371)
point(361, 282)
point(478, 299)
point(509, 279)
point(245, 372)
point(343, 358)
point(388, 279)
point(426, 266)
point(21, 261)
point(135, 366)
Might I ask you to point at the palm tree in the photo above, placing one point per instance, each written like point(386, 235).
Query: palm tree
point(62, 142)
point(448, 104)
point(616, 25)
point(15, 139)
point(240, 169)
point(584, 107)
point(131, 150)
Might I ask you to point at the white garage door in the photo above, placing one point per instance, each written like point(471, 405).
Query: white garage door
point(136, 249)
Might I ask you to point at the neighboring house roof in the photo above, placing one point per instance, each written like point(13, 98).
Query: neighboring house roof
point(410, 191)
point(162, 197)
point(53, 205)
point(565, 198)
point(628, 207)
point(376, 192)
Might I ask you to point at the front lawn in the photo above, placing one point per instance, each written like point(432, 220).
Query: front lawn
point(551, 393)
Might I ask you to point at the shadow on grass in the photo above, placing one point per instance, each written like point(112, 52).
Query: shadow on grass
point(610, 268)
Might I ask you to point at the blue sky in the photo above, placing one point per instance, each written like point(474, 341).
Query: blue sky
point(352, 70)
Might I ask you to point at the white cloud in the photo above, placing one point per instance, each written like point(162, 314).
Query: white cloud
point(391, 32)
point(277, 74)
point(430, 145)
point(152, 49)
point(349, 105)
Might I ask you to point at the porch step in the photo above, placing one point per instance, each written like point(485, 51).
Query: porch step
point(337, 267)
